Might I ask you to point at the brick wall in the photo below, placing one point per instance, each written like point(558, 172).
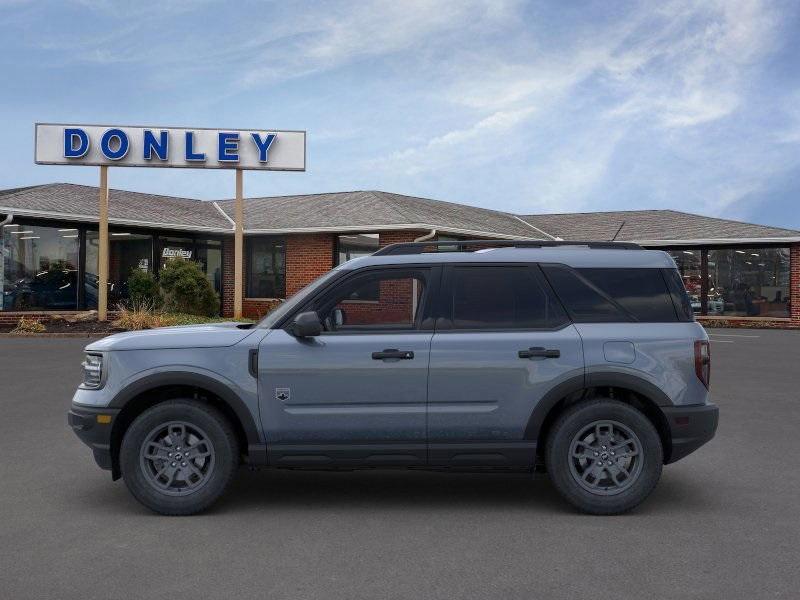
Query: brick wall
point(255, 309)
point(228, 266)
point(794, 283)
point(307, 257)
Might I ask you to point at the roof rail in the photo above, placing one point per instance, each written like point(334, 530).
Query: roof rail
point(472, 245)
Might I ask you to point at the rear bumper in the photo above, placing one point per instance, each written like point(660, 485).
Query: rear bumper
point(690, 427)
point(97, 435)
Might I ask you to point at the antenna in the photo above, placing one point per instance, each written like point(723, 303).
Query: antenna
point(618, 230)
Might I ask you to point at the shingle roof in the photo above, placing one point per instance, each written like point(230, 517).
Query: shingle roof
point(374, 210)
point(652, 225)
point(71, 201)
point(364, 211)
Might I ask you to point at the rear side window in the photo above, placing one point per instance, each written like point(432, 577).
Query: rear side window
point(585, 302)
point(641, 292)
point(493, 297)
point(609, 295)
point(683, 306)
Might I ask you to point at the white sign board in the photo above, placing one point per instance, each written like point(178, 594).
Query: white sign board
point(189, 148)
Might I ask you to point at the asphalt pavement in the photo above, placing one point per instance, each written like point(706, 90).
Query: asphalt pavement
point(723, 523)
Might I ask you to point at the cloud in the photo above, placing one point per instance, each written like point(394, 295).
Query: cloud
point(467, 146)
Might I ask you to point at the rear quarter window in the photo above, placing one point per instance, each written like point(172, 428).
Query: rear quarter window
point(641, 292)
point(602, 295)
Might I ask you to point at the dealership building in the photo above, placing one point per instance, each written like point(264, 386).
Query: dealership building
point(740, 273)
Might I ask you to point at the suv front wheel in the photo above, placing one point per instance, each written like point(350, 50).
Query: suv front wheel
point(604, 456)
point(178, 457)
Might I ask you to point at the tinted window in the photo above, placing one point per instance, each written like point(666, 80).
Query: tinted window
point(502, 298)
point(680, 298)
point(585, 302)
point(642, 292)
point(266, 267)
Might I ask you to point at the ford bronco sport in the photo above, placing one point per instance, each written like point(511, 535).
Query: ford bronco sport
point(579, 358)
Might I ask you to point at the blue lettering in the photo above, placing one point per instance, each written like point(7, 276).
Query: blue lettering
point(228, 147)
point(122, 144)
point(159, 146)
point(70, 137)
point(263, 145)
point(190, 153)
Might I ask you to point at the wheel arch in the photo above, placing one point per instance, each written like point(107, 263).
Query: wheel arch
point(153, 389)
point(632, 390)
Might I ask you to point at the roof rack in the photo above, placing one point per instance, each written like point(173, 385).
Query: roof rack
point(473, 245)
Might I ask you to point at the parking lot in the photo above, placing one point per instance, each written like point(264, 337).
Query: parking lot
point(723, 523)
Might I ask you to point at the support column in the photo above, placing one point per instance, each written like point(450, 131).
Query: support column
point(238, 250)
point(103, 253)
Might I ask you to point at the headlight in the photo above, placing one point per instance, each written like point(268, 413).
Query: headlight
point(93, 371)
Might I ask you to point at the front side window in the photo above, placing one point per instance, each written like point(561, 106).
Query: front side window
point(266, 267)
point(399, 299)
point(494, 297)
point(39, 267)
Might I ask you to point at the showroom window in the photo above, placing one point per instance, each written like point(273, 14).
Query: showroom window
point(689, 261)
point(355, 245)
point(128, 251)
point(209, 255)
point(749, 282)
point(266, 267)
point(39, 267)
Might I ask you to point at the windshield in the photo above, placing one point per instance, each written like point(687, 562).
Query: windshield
point(299, 298)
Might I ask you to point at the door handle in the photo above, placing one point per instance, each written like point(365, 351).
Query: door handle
point(393, 353)
point(539, 352)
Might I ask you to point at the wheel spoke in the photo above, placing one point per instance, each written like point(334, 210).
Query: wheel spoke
point(177, 433)
point(194, 471)
point(156, 451)
point(177, 458)
point(614, 467)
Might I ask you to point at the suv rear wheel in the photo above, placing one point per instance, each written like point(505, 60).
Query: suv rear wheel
point(604, 456)
point(178, 457)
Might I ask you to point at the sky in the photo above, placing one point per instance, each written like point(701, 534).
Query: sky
point(528, 107)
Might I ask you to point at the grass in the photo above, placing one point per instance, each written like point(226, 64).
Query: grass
point(26, 325)
point(141, 317)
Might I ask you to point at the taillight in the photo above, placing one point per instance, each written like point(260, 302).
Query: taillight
point(702, 361)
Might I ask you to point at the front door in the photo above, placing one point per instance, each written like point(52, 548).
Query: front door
point(503, 341)
point(357, 393)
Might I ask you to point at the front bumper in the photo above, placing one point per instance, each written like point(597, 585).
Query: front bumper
point(93, 431)
point(690, 427)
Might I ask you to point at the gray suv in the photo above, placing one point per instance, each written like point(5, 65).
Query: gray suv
point(581, 359)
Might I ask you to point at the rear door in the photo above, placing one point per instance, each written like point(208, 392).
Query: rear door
point(502, 342)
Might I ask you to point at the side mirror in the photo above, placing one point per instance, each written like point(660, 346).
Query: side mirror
point(306, 324)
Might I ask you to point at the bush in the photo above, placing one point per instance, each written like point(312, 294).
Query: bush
point(186, 289)
point(26, 325)
point(143, 289)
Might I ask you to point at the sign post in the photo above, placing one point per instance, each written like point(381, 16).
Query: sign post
point(238, 244)
point(103, 253)
point(175, 147)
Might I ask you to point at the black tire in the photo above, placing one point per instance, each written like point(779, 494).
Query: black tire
point(573, 475)
point(211, 474)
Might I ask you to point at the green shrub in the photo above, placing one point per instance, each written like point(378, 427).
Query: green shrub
point(143, 289)
point(186, 289)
